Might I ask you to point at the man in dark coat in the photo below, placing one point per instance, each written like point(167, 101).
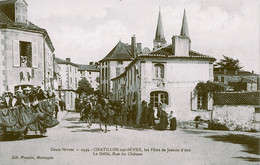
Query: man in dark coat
point(162, 115)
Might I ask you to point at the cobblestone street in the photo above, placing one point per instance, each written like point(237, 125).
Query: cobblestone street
point(72, 142)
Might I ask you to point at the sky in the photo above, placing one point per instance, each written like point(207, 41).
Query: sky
point(86, 30)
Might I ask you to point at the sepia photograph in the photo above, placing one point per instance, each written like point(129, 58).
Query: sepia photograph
point(142, 82)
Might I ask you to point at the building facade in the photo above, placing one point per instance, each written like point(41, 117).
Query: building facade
point(239, 80)
point(114, 63)
point(69, 78)
point(91, 73)
point(26, 50)
point(169, 76)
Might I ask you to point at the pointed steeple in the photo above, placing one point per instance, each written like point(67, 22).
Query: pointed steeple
point(184, 27)
point(159, 39)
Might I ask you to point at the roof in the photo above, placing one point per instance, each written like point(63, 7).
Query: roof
point(121, 51)
point(146, 50)
point(61, 61)
point(7, 2)
point(92, 68)
point(166, 52)
point(233, 73)
point(7, 23)
point(237, 98)
point(247, 80)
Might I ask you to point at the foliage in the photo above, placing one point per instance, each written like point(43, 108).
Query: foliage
point(238, 86)
point(229, 64)
point(84, 87)
point(208, 87)
point(217, 126)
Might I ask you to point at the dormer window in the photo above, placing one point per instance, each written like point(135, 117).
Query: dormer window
point(20, 11)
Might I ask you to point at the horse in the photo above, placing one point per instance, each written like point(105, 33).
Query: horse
point(106, 116)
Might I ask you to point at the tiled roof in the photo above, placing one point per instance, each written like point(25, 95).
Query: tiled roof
point(167, 52)
point(61, 61)
point(92, 68)
point(247, 80)
point(121, 51)
point(237, 98)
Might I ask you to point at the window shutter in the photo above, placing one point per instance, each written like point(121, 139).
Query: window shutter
point(210, 101)
point(16, 53)
point(193, 100)
point(34, 54)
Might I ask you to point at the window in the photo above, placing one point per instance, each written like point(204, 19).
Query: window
point(222, 79)
point(106, 74)
point(25, 54)
point(202, 101)
point(102, 73)
point(159, 96)
point(159, 71)
point(89, 73)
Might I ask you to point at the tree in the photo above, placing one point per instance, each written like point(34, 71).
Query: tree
point(229, 64)
point(84, 87)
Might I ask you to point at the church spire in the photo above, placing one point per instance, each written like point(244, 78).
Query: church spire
point(184, 27)
point(159, 39)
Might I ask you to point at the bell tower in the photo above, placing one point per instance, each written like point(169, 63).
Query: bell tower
point(159, 40)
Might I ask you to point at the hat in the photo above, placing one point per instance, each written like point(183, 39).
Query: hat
point(27, 89)
point(19, 90)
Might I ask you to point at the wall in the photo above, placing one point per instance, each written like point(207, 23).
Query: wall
point(235, 117)
point(181, 77)
point(10, 75)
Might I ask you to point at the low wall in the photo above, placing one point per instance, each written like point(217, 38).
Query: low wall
point(235, 117)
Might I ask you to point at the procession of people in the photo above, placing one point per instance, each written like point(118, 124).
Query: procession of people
point(28, 109)
point(90, 107)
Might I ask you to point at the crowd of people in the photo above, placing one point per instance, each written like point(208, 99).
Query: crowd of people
point(29, 109)
point(126, 115)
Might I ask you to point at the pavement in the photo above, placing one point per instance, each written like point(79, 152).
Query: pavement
point(72, 142)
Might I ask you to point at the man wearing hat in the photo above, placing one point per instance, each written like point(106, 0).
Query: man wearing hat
point(162, 115)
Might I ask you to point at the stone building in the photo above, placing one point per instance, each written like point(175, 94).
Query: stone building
point(26, 50)
point(169, 75)
point(239, 80)
point(69, 78)
point(114, 63)
point(91, 73)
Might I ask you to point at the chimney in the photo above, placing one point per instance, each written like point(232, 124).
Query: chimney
point(68, 59)
point(139, 47)
point(133, 45)
point(181, 45)
point(253, 71)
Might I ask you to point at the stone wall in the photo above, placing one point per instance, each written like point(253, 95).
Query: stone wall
point(235, 117)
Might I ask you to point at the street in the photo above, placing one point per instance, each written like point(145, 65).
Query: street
point(72, 142)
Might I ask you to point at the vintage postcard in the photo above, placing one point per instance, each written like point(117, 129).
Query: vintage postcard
point(142, 82)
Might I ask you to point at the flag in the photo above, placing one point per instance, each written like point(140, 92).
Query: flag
point(29, 76)
point(21, 76)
